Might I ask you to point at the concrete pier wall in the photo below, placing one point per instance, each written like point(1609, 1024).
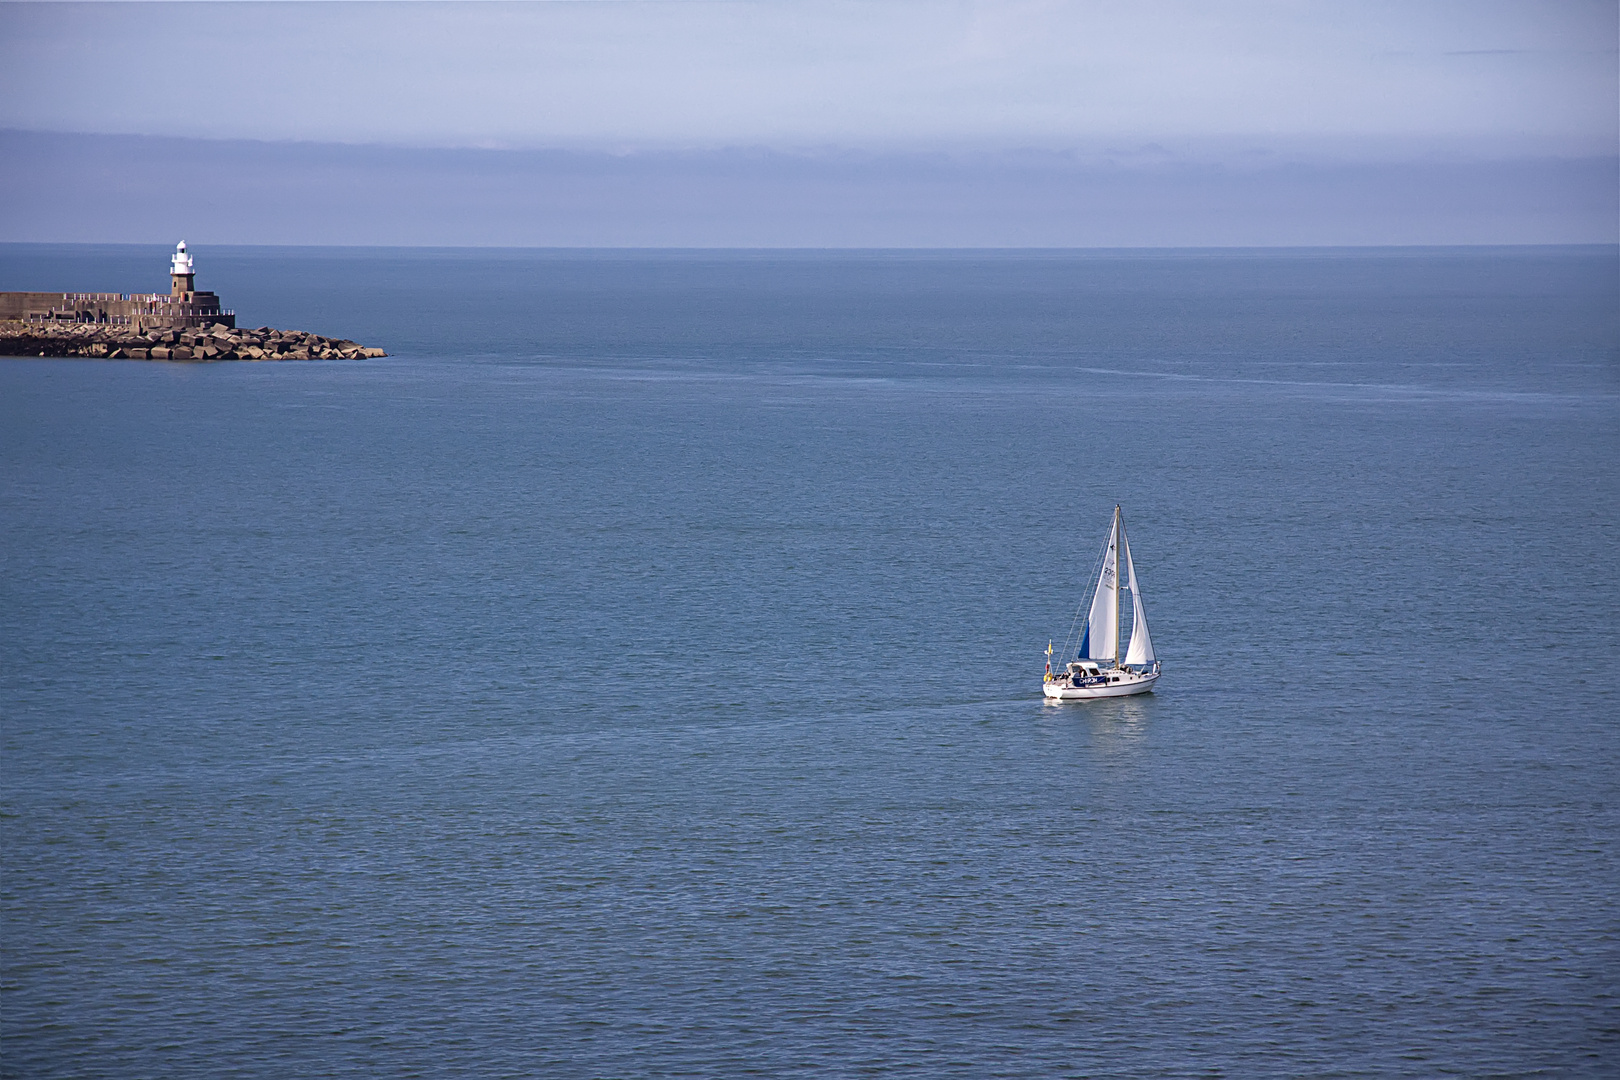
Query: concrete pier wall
point(137, 310)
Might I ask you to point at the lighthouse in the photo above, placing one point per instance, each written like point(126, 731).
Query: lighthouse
point(181, 274)
point(185, 305)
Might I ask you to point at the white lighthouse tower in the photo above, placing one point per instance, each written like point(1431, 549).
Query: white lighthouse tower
point(181, 274)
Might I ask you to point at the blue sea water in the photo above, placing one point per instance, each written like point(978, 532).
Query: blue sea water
point(638, 672)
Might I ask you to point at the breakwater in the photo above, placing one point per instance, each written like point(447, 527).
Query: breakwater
point(186, 324)
point(189, 344)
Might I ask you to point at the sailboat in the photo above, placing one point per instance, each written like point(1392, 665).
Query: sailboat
point(1097, 670)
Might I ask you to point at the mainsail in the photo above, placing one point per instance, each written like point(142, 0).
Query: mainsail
point(1140, 650)
point(1102, 626)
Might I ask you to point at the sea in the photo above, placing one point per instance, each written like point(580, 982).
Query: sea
point(637, 673)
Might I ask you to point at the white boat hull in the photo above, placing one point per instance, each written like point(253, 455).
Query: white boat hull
point(1108, 684)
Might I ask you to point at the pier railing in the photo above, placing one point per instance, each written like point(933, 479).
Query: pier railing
point(178, 311)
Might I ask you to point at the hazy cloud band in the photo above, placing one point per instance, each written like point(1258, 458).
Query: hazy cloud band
point(142, 189)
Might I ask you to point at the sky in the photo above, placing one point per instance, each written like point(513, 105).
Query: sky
point(812, 122)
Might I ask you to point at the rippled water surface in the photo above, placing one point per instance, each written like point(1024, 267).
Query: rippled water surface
point(638, 673)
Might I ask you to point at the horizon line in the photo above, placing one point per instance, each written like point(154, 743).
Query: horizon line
point(823, 248)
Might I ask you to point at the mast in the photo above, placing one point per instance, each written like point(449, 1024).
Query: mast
point(1119, 544)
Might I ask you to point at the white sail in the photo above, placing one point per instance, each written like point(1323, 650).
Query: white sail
point(1102, 626)
point(1140, 650)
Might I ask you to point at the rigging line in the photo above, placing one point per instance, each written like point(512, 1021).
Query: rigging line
point(1085, 603)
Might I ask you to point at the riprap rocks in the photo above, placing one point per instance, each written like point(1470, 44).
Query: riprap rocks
point(191, 344)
